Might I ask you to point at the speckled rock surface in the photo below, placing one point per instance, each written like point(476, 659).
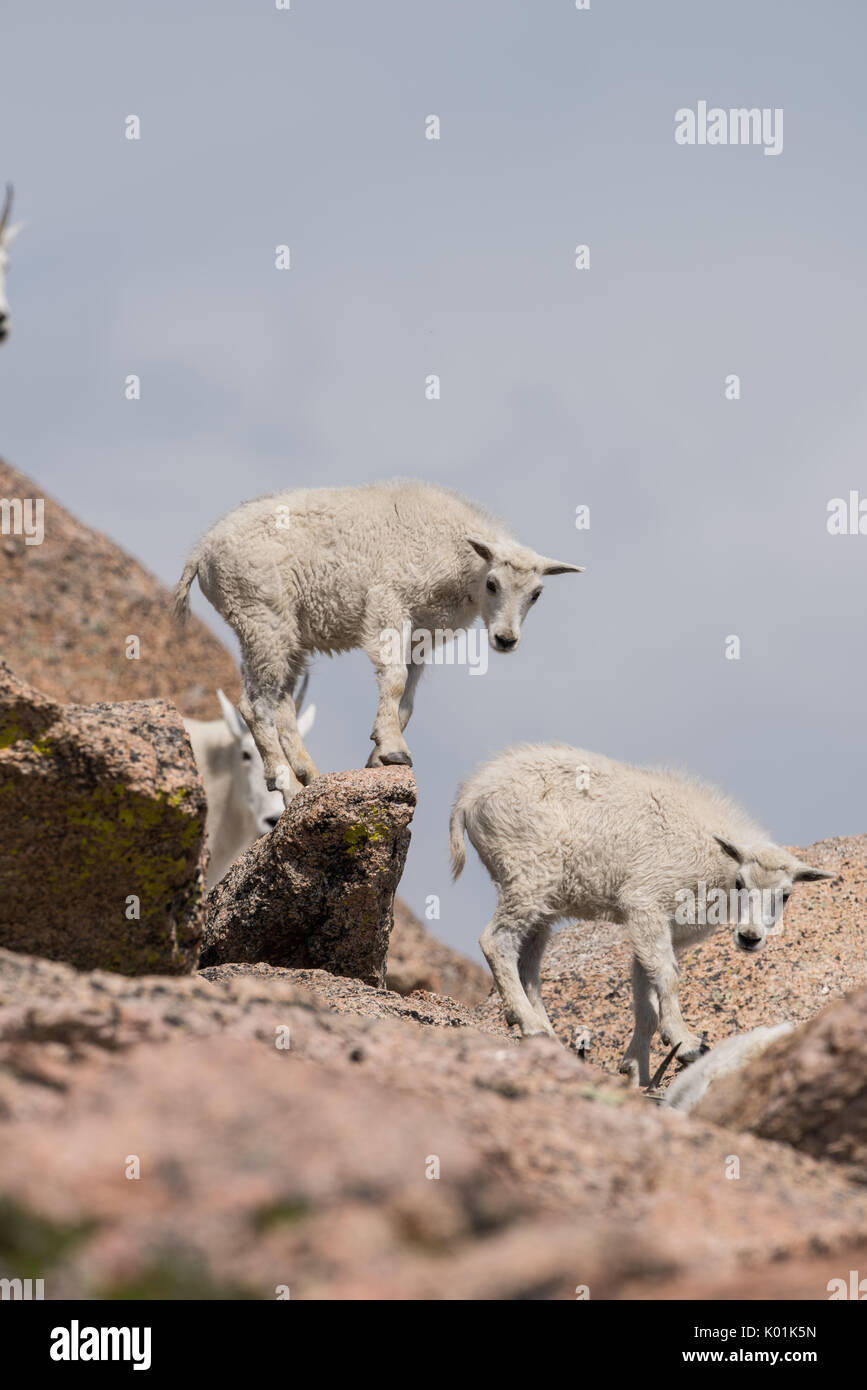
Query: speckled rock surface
point(418, 960)
point(99, 805)
point(347, 996)
point(318, 891)
point(809, 1089)
point(820, 955)
point(69, 605)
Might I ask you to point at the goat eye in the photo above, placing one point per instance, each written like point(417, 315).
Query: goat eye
point(491, 586)
point(739, 885)
point(246, 757)
point(535, 595)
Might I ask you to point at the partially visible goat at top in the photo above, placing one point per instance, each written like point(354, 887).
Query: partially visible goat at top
point(7, 236)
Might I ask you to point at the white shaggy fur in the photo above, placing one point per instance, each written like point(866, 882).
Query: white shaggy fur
point(7, 236)
point(333, 569)
point(687, 1089)
point(240, 806)
point(567, 833)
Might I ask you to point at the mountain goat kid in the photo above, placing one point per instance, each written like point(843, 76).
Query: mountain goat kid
point(334, 569)
point(566, 833)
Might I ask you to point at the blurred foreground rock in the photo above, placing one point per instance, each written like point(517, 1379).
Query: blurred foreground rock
point(809, 1089)
point(318, 891)
point(284, 1146)
point(102, 818)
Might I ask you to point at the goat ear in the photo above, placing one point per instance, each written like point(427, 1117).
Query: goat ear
point(804, 873)
point(481, 548)
point(306, 720)
point(233, 721)
point(558, 567)
point(731, 850)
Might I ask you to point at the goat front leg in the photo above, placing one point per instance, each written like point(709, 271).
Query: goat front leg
point(645, 1009)
point(650, 935)
point(501, 943)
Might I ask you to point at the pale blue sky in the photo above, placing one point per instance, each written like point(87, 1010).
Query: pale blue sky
point(559, 387)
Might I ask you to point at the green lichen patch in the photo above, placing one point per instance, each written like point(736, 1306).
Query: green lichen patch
point(11, 732)
point(366, 831)
point(174, 1280)
point(286, 1212)
point(30, 1243)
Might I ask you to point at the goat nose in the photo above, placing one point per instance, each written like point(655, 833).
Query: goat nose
point(271, 820)
point(504, 643)
point(747, 942)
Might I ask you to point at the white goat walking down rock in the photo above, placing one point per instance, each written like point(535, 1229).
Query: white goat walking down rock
point(7, 236)
point(334, 569)
point(567, 833)
point(240, 806)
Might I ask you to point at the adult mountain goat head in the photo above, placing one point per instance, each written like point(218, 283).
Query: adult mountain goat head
point(335, 569)
point(240, 806)
point(7, 236)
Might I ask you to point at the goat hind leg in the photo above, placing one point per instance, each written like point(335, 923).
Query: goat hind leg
point(501, 944)
point(529, 968)
point(290, 739)
point(259, 713)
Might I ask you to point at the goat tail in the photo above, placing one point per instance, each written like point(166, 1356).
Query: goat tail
point(181, 595)
point(457, 848)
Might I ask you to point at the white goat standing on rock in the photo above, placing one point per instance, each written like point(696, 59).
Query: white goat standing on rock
point(240, 806)
point(7, 236)
point(334, 569)
point(566, 833)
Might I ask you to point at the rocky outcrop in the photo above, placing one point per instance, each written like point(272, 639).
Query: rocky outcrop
point(102, 818)
point(809, 1089)
point(418, 960)
point(318, 891)
point(70, 604)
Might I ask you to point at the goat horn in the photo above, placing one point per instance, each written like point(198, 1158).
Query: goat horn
point(7, 208)
point(302, 691)
point(662, 1068)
